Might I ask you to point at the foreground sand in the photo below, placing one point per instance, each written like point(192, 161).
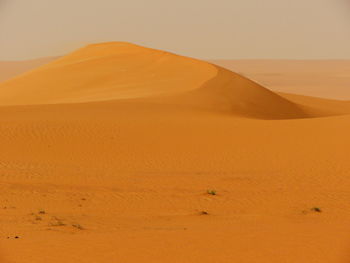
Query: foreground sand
point(126, 179)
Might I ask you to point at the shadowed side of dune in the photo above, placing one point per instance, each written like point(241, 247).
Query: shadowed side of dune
point(234, 94)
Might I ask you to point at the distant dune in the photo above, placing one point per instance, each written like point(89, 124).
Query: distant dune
point(120, 153)
point(10, 69)
point(319, 78)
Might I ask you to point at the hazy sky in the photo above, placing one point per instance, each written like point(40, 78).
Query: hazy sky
point(198, 28)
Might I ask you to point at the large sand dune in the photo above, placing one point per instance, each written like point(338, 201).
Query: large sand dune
point(119, 71)
point(107, 155)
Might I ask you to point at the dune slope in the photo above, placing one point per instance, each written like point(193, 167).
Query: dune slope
point(317, 78)
point(11, 69)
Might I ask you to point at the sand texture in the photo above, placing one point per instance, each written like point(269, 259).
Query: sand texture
point(120, 153)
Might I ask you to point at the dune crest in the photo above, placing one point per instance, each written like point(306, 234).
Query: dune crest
point(117, 71)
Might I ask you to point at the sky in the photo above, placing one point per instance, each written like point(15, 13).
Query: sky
point(205, 29)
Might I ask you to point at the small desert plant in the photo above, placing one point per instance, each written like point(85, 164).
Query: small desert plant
point(56, 222)
point(204, 213)
point(78, 226)
point(316, 209)
point(211, 192)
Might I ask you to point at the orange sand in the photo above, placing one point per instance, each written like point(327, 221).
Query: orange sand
point(118, 144)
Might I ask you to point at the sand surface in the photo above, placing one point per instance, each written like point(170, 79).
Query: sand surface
point(107, 155)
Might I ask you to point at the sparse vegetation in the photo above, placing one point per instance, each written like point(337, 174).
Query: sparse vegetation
point(78, 226)
point(211, 192)
point(316, 209)
point(204, 213)
point(56, 222)
point(312, 210)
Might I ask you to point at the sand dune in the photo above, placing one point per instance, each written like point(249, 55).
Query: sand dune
point(117, 70)
point(107, 155)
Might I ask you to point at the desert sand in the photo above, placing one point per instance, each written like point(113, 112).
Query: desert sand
point(108, 154)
